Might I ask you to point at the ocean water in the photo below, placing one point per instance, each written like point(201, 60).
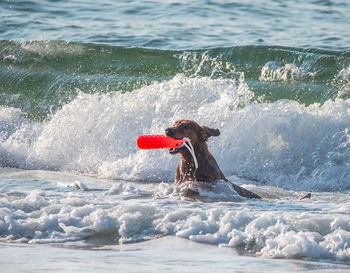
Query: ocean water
point(81, 80)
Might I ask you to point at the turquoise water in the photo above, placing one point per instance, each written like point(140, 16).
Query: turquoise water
point(80, 80)
point(39, 76)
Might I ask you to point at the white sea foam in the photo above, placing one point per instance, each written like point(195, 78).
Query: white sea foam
point(281, 144)
point(344, 74)
point(276, 71)
point(281, 229)
point(343, 81)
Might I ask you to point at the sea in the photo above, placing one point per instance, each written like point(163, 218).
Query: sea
point(80, 80)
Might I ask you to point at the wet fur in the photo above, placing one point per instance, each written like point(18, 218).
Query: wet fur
point(208, 169)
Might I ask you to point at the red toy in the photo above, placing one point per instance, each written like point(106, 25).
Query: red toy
point(158, 142)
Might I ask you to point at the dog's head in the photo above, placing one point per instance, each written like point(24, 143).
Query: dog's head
point(191, 130)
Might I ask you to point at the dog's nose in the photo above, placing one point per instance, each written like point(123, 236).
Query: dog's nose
point(169, 132)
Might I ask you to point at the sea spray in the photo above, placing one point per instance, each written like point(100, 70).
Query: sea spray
point(283, 144)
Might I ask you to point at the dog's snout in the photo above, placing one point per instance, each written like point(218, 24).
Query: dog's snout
point(169, 132)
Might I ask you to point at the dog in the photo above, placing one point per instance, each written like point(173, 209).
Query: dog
point(208, 170)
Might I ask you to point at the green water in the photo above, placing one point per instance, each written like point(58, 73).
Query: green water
point(38, 77)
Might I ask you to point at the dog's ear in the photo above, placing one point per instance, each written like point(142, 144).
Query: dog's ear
point(208, 132)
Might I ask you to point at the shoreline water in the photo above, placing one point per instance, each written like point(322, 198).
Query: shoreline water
point(167, 254)
point(51, 210)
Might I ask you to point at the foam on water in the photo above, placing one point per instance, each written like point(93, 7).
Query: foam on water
point(276, 71)
point(123, 212)
point(282, 144)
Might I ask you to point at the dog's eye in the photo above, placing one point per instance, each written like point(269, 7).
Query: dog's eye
point(185, 126)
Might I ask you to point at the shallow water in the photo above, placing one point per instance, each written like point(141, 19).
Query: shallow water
point(45, 210)
point(167, 254)
point(81, 80)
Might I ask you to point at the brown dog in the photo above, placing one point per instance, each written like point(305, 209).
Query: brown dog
point(208, 169)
